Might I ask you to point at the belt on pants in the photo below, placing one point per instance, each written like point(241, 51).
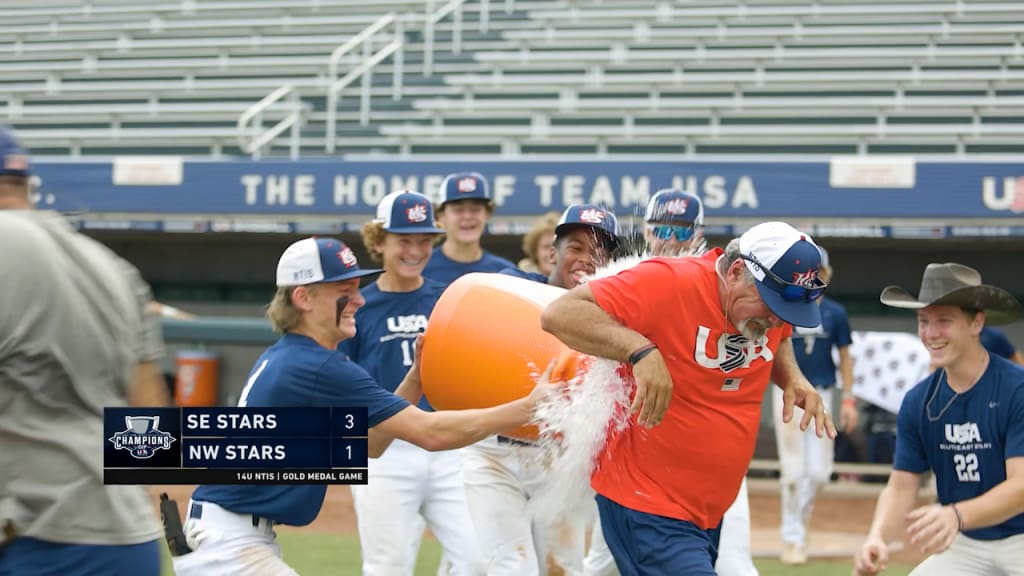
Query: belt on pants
point(515, 442)
point(210, 513)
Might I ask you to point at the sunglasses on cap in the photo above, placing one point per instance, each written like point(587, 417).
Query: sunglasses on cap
point(666, 232)
point(788, 290)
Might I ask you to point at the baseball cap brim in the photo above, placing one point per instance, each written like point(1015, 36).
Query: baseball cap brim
point(803, 314)
point(415, 230)
point(610, 241)
point(351, 275)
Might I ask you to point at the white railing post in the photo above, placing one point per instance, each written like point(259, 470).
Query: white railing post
point(485, 16)
point(398, 69)
point(293, 99)
point(364, 88)
point(428, 39)
point(457, 31)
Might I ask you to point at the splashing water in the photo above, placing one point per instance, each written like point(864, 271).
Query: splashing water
point(575, 425)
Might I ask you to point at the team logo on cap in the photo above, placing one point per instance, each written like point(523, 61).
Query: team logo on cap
point(16, 162)
point(676, 206)
point(805, 279)
point(592, 216)
point(466, 185)
point(347, 257)
point(142, 437)
point(417, 213)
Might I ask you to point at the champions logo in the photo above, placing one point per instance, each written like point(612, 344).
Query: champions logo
point(142, 437)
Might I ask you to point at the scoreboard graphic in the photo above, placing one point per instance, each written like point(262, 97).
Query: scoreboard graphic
point(235, 445)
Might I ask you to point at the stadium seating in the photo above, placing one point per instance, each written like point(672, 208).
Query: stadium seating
point(519, 77)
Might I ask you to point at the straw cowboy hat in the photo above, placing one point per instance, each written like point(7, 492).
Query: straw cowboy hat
point(956, 285)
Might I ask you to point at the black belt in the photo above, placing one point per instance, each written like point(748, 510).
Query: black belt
point(197, 512)
point(515, 442)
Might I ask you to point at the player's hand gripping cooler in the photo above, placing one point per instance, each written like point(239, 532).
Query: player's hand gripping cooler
point(484, 346)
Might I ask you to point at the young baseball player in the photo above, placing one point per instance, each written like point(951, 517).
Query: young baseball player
point(231, 528)
point(407, 483)
point(964, 423)
point(673, 227)
point(501, 472)
point(805, 459)
point(701, 338)
point(465, 207)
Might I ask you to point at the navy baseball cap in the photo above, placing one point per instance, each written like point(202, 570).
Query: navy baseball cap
point(785, 264)
point(316, 260)
point(464, 186)
point(13, 158)
point(674, 207)
point(590, 216)
point(406, 212)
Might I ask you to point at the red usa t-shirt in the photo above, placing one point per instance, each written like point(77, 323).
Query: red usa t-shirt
point(690, 466)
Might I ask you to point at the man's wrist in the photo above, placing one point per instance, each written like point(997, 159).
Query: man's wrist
point(959, 517)
point(641, 353)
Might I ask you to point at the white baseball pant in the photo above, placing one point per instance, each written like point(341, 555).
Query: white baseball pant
point(500, 478)
point(805, 466)
point(406, 486)
point(970, 557)
point(734, 557)
point(226, 544)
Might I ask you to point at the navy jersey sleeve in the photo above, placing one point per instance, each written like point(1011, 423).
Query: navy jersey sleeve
point(910, 452)
point(1015, 422)
point(842, 336)
point(345, 383)
point(996, 342)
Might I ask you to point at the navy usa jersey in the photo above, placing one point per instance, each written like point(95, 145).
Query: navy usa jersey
point(296, 371)
point(813, 346)
point(388, 324)
point(967, 438)
point(445, 270)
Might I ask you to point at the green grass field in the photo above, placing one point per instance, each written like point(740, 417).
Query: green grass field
point(313, 554)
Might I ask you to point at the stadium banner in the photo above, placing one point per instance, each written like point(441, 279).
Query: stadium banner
point(219, 445)
point(860, 188)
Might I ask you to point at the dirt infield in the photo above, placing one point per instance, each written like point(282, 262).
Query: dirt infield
point(837, 527)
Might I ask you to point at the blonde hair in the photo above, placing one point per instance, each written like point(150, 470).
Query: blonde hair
point(373, 234)
point(281, 311)
point(544, 225)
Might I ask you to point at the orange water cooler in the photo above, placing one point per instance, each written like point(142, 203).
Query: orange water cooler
point(484, 346)
point(196, 380)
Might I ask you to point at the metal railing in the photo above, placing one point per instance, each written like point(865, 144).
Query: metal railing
point(254, 115)
point(363, 71)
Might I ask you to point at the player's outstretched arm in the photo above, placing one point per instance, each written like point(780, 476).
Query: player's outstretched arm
point(576, 319)
point(450, 429)
point(895, 501)
point(409, 389)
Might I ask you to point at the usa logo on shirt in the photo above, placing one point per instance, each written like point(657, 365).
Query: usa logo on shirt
point(416, 214)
